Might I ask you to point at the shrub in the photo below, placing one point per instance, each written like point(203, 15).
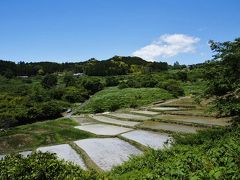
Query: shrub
point(111, 81)
point(148, 81)
point(57, 93)
point(73, 94)
point(49, 81)
point(114, 106)
point(133, 83)
point(7, 120)
point(97, 108)
point(93, 85)
point(122, 85)
point(41, 166)
point(172, 86)
point(68, 79)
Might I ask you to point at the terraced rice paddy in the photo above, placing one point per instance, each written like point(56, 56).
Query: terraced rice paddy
point(165, 108)
point(107, 152)
point(113, 121)
point(192, 112)
point(180, 102)
point(144, 112)
point(64, 151)
point(168, 127)
point(195, 119)
point(83, 120)
point(130, 116)
point(148, 138)
point(103, 129)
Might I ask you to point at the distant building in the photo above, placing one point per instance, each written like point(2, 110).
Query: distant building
point(78, 74)
point(23, 76)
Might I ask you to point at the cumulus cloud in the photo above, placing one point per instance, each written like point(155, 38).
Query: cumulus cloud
point(167, 45)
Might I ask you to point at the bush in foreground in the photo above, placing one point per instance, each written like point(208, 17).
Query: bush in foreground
point(41, 166)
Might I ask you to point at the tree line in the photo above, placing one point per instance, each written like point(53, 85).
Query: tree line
point(117, 65)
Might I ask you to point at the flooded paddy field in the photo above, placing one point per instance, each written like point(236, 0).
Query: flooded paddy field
point(164, 108)
point(113, 121)
point(103, 129)
point(169, 127)
point(83, 120)
point(195, 119)
point(147, 138)
point(107, 152)
point(130, 116)
point(65, 152)
point(144, 112)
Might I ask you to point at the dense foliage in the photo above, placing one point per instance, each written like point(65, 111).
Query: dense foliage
point(223, 76)
point(30, 99)
point(22, 103)
point(27, 100)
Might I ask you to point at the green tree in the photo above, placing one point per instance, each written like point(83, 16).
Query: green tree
point(223, 76)
point(49, 81)
point(69, 79)
point(93, 85)
point(73, 94)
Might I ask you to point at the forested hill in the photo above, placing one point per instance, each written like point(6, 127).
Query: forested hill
point(117, 65)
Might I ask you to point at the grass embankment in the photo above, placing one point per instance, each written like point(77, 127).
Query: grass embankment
point(39, 134)
point(113, 98)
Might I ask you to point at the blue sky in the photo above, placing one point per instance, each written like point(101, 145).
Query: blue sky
point(76, 30)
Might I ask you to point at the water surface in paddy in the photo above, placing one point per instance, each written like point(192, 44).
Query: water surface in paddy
point(103, 129)
point(107, 152)
point(113, 121)
point(147, 138)
point(65, 152)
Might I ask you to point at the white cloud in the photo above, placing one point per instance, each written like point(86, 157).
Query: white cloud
point(167, 45)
